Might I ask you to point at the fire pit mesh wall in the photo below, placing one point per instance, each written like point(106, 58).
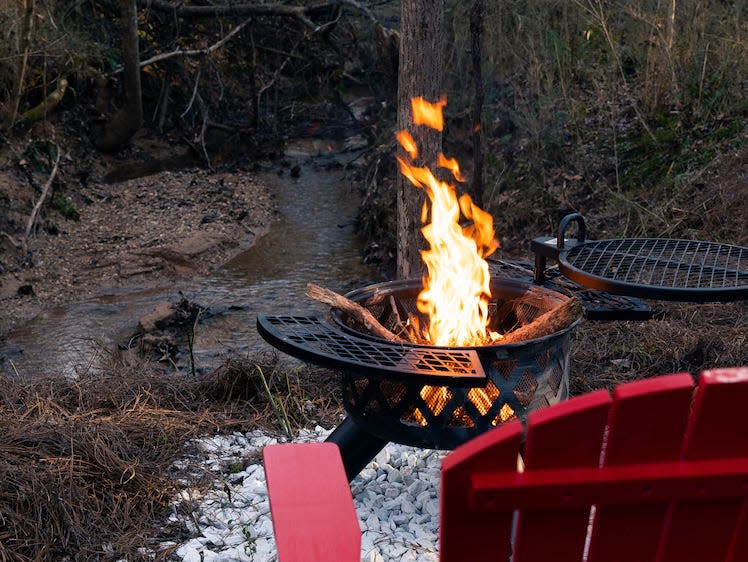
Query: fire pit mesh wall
point(521, 377)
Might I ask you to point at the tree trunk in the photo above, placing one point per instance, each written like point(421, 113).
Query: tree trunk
point(419, 74)
point(129, 119)
point(25, 10)
point(476, 31)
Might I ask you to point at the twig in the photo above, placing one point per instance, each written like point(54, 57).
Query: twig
point(278, 71)
point(402, 327)
point(24, 47)
point(194, 93)
point(192, 52)
point(40, 201)
point(354, 309)
point(10, 239)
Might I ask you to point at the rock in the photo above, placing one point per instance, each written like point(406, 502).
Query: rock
point(158, 318)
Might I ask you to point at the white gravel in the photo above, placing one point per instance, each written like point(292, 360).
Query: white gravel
point(396, 498)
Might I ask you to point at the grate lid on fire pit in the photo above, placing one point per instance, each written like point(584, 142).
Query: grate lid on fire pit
point(656, 268)
point(310, 339)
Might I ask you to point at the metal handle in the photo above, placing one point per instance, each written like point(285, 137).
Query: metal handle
point(564, 224)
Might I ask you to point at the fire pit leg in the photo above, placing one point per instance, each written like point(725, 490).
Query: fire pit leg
point(357, 446)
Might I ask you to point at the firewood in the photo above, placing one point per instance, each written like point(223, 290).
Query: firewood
point(546, 324)
point(354, 309)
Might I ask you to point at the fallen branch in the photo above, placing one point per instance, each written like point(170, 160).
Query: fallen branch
point(549, 323)
point(46, 105)
point(193, 52)
point(10, 239)
point(335, 300)
point(40, 202)
point(179, 9)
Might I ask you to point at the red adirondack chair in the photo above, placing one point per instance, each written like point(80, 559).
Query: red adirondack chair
point(656, 472)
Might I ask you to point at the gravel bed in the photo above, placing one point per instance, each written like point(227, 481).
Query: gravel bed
point(396, 498)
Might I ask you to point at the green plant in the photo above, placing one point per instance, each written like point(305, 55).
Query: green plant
point(277, 405)
point(67, 208)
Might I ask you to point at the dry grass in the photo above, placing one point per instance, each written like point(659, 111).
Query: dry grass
point(679, 337)
point(84, 463)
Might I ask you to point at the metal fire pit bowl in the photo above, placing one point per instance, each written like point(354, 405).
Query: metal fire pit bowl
point(519, 377)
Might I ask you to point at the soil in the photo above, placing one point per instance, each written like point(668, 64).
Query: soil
point(134, 233)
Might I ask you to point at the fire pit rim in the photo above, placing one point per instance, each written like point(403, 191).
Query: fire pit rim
point(412, 283)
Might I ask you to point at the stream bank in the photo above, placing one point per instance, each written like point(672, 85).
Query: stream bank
point(235, 243)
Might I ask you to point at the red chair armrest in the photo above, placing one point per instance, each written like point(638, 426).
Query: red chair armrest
point(311, 503)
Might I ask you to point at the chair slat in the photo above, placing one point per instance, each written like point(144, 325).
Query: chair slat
point(706, 531)
point(739, 548)
point(314, 519)
point(566, 436)
point(647, 422)
point(463, 533)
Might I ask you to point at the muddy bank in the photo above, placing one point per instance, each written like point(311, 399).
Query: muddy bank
point(134, 233)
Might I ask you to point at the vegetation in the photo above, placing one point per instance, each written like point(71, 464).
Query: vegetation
point(627, 98)
point(619, 110)
point(613, 109)
point(86, 465)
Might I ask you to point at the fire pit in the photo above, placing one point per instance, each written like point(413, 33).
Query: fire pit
point(422, 395)
point(518, 377)
point(456, 353)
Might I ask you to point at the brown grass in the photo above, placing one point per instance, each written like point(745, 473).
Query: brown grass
point(84, 463)
point(679, 337)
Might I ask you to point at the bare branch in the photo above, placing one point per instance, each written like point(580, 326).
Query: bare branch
point(283, 10)
point(195, 52)
point(40, 202)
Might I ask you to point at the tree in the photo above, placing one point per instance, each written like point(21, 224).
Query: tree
point(20, 49)
point(126, 122)
point(419, 74)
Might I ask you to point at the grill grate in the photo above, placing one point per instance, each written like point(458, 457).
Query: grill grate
point(660, 268)
point(598, 305)
point(308, 338)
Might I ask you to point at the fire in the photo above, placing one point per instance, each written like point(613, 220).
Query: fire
point(456, 290)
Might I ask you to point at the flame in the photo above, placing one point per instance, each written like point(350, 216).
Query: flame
point(456, 290)
point(406, 141)
point(429, 114)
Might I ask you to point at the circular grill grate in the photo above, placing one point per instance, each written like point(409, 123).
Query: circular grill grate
point(660, 268)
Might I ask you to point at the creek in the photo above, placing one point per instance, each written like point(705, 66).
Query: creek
point(313, 240)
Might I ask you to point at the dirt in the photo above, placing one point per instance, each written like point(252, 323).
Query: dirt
point(133, 233)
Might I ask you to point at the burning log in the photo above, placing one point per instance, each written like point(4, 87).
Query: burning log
point(546, 324)
point(549, 323)
point(354, 309)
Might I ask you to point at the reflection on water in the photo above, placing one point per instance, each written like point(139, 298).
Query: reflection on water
point(314, 240)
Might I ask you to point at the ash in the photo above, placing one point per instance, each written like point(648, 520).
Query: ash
point(396, 498)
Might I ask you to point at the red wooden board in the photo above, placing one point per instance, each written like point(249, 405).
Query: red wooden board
point(312, 508)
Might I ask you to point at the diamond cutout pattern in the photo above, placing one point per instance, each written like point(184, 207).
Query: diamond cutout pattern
point(525, 388)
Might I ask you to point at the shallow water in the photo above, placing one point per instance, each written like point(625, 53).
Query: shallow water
point(314, 240)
